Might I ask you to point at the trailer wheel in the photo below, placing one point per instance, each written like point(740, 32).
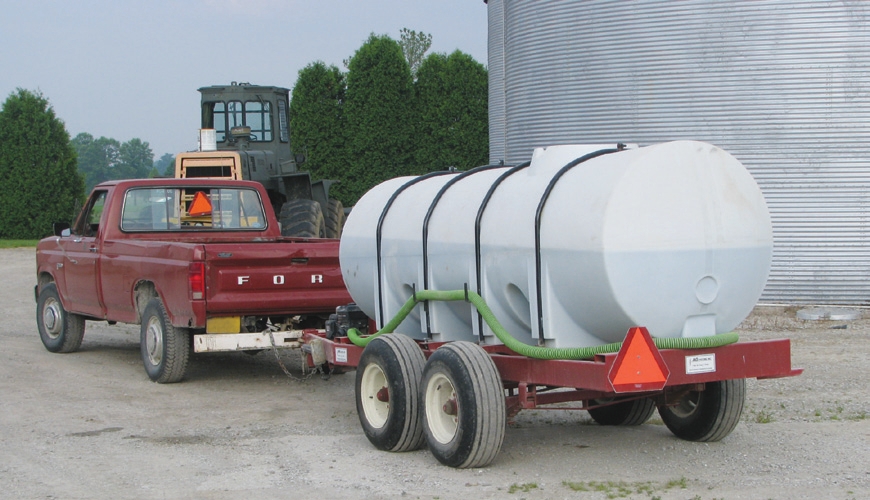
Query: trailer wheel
point(301, 218)
point(60, 331)
point(634, 412)
point(463, 406)
point(707, 415)
point(333, 218)
point(388, 393)
point(165, 348)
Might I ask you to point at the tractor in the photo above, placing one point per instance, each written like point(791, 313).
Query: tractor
point(245, 134)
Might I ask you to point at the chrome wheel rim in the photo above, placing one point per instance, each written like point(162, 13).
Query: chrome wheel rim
point(52, 318)
point(154, 341)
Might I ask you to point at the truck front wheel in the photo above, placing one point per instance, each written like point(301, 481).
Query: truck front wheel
point(165, 348)
point(60, 331)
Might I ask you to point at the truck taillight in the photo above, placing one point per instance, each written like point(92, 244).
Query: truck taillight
point(196, 280)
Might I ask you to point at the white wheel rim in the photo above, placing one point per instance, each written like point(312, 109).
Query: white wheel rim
point(52, 318)
point(154, 341)
point(442, 408)
point(373, 382)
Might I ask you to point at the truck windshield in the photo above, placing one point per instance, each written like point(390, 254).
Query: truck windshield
point(192, 209)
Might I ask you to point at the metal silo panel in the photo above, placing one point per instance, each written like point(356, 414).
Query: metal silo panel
point(495, 13)
point(782, 85)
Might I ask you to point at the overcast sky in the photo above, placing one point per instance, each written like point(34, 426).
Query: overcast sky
point(125, 68)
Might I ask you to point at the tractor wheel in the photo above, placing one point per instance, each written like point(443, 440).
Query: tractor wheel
point(302, 218)
point(463, 406)
point(333, 218)
point(626, 413)
point(165, 348)
point(707, 415)
point(60, 331)
point(388, 393)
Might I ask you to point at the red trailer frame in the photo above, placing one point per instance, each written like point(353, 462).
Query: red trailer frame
point(639, 374)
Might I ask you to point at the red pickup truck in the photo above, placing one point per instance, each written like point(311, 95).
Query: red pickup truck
point(200, 264)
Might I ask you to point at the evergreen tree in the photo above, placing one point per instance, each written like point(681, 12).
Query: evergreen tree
point(316, 120)
point(451, 96)
point(38, 166)
point(379, 118)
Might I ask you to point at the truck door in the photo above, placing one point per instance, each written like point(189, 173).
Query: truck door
point(81, 254)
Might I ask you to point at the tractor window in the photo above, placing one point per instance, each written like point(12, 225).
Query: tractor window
point(284, 130)
point(258, 116)
point(234, 114)
point(223, 116)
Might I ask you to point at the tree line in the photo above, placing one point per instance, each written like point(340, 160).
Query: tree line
point(394, 112)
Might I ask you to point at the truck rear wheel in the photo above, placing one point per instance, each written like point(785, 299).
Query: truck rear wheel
point(333, 218)
point(302, 218)
point(463, 406)
point(634, 412)
point(388, 393)
point(165, 348)
point(707, 415)
point(60, 331)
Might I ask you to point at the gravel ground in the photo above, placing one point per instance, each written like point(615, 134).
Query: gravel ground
point(90, 425)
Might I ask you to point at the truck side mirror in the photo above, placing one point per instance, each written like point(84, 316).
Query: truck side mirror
point(61, 229)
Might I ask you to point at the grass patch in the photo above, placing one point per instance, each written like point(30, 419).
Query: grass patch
point(525, 487)
point(838, 413)
point(18, 243)
point(763, 416)
point(621, 489)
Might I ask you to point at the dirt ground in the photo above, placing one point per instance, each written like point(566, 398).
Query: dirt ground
point(91, 425)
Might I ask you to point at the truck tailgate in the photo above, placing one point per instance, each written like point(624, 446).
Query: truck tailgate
point(274, 277)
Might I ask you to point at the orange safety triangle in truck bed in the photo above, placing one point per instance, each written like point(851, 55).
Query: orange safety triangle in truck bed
point(200, 205)
point(639, 365)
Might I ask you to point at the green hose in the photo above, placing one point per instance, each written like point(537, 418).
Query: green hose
point(530, 351)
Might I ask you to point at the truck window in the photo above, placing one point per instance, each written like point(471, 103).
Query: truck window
point(88, 223)
point(192, 209)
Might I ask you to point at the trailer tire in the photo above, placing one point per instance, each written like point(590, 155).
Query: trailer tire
point(59, 330)
point(463, 406)
point(388, 393)
point(707, 415)
point(333, 218)
point(634, 412)
point(165, 348)
point(301, 218)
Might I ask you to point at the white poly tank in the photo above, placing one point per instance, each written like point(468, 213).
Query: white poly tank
point(569, 251)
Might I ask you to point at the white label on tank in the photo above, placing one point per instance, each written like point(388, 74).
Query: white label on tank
point(701, 363)
point(340, 355)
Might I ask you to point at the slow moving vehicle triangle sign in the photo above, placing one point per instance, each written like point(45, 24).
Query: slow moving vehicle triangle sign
point(639, 366)
point(200, 205)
